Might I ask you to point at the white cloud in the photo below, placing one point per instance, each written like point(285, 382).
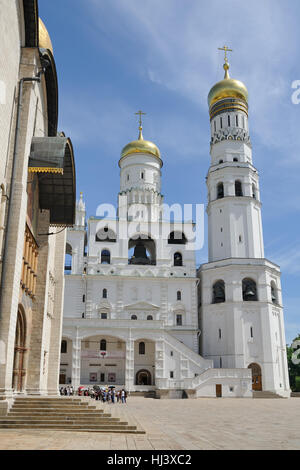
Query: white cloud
point(174, 44)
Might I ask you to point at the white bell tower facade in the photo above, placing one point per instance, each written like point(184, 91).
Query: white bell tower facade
point(241, 311)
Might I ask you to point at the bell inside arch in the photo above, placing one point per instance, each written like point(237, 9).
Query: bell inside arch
point(140, 254)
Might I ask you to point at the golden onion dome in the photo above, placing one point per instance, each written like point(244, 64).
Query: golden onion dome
point(44, 38)
point(141, 146)
point(227, 88)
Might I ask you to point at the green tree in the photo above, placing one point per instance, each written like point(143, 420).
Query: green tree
point(294, 369)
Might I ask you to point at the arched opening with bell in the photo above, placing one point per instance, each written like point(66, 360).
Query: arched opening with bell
point(249, 289)
point(141, 251)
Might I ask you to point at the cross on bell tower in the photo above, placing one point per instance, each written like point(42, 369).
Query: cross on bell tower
point(225, 49)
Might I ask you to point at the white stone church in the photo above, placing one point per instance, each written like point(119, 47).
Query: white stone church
point(138, 313)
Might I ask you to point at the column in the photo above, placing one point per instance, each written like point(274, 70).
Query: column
point(76, 360)
point(129, 365)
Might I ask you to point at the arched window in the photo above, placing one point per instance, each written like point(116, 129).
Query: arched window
point(142, 348)
point(218, 292)
point(63, 348)
point(133, 317)
point(177, 259)
point(220, 190)
point(103, 345)
point(149, 317)
point(178, 295)
point(238, 188)
point(253, 191)
point(237, 120)
point(141, 250)
point(177, 238)
point(105, 257)
point(235, 159)
point(249, 289)
point(274, 293)
point(106, 234)
point(104, 294)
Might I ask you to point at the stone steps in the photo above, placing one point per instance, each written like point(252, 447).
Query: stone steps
point(63, 414)
point(39, 412)
point(74, 427)
point(266, 394)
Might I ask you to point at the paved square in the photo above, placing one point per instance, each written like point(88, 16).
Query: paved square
point(180, 424)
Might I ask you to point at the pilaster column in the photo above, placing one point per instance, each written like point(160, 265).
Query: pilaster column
point(129, 365)
point(76, 360)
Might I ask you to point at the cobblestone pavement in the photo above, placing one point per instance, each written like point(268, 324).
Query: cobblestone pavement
point(193, 424)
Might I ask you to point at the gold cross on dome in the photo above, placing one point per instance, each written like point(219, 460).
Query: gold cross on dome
point(140, 119)
point(225, 49)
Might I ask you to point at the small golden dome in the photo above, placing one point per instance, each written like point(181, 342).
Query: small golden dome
point(141, 146)
point(44, 38)
point(227, 88)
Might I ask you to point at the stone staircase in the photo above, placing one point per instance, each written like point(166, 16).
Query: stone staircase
point(65, 413)
point(257, 394)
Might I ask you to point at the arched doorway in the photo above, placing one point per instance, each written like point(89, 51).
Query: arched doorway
point(256, 376)
point(143, 377)
point(19, 371)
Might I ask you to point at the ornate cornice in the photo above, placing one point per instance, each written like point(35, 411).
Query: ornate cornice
point(231, 133)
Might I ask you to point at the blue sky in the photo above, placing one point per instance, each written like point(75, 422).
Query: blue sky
point(115, 57)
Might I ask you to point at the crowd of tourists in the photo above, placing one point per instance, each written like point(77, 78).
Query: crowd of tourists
point(104, 394)
point(67, 391)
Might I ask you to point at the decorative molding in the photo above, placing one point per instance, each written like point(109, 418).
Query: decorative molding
point(231, 133)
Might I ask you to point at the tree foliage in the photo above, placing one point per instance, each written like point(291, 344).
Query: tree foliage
point(294, 368)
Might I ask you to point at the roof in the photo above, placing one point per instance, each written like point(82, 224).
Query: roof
point(52, 158)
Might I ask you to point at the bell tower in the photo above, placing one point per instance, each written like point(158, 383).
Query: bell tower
point(140, 179)
point(241, 315)
point(234, 208)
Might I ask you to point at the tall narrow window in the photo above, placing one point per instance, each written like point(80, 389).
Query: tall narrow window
point(274, 293)
point(178, 295)
point(253, 191)
point(221, 123)
point(142, 348)
point(179, 320)
point(220, 333)
point(251, 332)
point(103, 345)
point(105, 257)
point(237, 120)
point(104, 294)
point(142, 175)
point(177, 259)
point(220, 191)
point(228, 120)
point(215, 126)
point(238, 188)
point(63, 348)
